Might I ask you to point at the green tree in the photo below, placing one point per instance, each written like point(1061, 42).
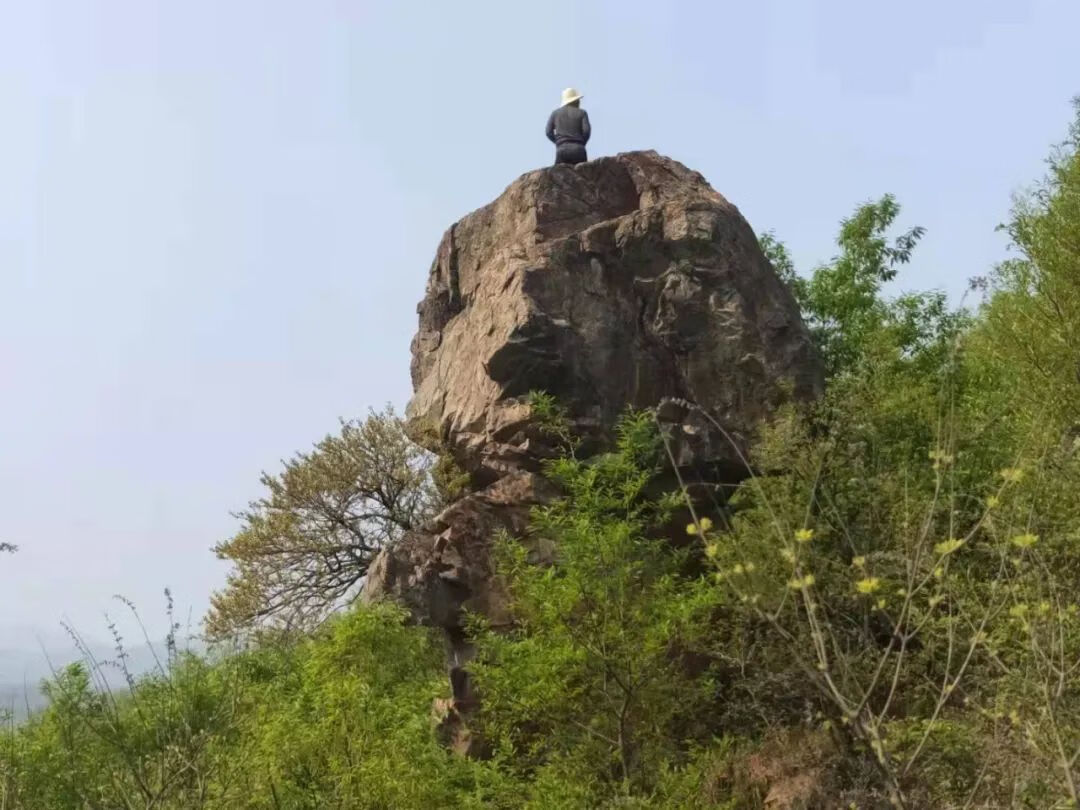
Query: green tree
point(344, 719)
point(164, 744)
point(341, 718)
point(600, 688)
point(1031, 323)
point(303, 548)
point(920, 603)
point(843, 301)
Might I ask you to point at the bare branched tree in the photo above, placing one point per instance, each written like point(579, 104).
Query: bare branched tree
point(304, 548)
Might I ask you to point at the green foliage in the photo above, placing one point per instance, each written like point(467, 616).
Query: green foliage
point(842, 301)
point(843, 298)
point(344, 720)
point(155, 747)
point(339, 720)
point(551, 417)
point(780, 258)
point(1031, 324)
point(915, 559)
point(920, 602)
point(303, 549)
point(451, 482)
point(594, 694)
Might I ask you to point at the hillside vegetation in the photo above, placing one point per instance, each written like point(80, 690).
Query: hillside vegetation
point(884, 614)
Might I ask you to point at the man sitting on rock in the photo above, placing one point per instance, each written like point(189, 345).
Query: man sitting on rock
point(568, 128)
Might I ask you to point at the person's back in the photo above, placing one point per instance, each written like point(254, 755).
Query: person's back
point(570, 125)
point(569, 129)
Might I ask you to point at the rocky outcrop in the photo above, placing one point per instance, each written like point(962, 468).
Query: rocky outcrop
point(618, 282)
point(446, 568)
point(627, 281)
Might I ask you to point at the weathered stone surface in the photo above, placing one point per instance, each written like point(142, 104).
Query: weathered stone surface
point(619, 282)
point(627, 281)
point(438, 572)
point(447, 569)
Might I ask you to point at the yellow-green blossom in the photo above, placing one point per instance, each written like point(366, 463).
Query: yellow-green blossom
point(948, 546)
point(868, 585)
point(1025, 540)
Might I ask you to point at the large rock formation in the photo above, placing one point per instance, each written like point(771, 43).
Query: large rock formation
point(626, 281)
point(619, 282)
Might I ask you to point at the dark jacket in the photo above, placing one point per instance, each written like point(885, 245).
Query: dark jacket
point(569, 124)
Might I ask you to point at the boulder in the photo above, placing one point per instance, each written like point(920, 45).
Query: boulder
point(626, 281)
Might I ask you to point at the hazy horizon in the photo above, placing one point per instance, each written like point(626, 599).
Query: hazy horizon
point(216, 219)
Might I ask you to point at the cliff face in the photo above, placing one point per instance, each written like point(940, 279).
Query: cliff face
point(627, 281)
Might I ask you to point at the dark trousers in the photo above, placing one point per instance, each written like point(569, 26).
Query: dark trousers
point(571, 153)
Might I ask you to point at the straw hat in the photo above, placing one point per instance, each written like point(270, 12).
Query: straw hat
point(569, 96)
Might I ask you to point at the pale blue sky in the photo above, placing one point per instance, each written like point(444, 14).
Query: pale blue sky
point(216, 217)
